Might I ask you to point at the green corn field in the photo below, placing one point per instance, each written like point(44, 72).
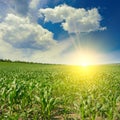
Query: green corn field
point(59, 92)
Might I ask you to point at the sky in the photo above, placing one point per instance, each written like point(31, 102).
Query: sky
point(60, 31)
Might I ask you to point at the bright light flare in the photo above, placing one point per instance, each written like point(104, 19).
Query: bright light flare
point(84, 59)
point(84, 64)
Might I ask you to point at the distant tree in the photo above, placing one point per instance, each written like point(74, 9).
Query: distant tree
point(5, 60)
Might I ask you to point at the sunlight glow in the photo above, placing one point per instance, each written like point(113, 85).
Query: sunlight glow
point(84, 59)
point(84, 64)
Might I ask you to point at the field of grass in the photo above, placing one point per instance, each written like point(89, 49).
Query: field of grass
point(59, 92)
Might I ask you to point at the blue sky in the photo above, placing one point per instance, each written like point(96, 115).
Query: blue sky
point(60, 31)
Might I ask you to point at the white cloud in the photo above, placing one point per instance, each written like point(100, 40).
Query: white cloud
point(57, 14)
point(5, 8)
point(22, 40)
point(73, 20)
point(7, 51)
point(34, 3)
point(20, 7)
point(20, 32)
point(53, 55)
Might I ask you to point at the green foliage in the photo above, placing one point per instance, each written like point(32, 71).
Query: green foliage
point(48, 92)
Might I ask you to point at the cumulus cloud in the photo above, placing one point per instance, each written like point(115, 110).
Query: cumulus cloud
point(34, 3)
point(22, 38)
point(26, 8)
point(72, 19)
point(53, 55)
point(5, 8)
point(21, 33)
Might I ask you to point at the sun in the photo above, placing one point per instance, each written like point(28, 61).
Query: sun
point(85, 59)
point(84, 64)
